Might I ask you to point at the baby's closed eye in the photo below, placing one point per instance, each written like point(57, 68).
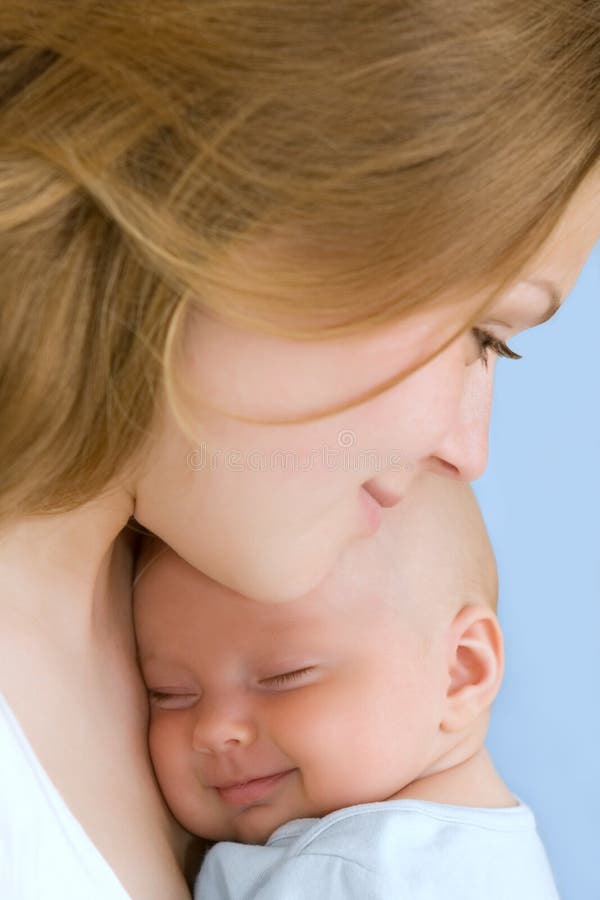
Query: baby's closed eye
point(289, 679)
point(172, 698)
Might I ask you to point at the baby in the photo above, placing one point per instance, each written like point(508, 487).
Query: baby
point(343, 732)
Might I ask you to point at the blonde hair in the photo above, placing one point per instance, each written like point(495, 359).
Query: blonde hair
point(385, 152)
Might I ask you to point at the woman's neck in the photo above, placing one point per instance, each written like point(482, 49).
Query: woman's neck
point(60, 573)
point(68, 670)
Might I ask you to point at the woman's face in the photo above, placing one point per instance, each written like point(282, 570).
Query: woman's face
point(266, 509)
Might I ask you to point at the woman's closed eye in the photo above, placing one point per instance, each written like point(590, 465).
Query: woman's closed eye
point(288, 679)
point(171, 699)
point(486, 341)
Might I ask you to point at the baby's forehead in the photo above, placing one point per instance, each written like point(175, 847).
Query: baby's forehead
point(150, 550)
point(430, 553)
point(160, 572)
point(357, 590)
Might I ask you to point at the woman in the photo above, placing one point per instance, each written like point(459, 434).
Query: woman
point(257, 260)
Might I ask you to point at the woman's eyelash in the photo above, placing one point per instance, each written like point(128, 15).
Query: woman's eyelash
point(487, 342)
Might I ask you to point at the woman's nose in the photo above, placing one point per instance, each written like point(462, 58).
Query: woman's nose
point(463, 450)
point(219, 728)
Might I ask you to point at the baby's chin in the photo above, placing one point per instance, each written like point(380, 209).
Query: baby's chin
point(253, 825)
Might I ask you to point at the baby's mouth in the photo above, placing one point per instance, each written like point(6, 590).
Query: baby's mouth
point(250, 791)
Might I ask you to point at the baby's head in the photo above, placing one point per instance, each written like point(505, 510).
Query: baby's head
point(381, 676)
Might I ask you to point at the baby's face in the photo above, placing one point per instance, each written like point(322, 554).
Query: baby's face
point(262, 713)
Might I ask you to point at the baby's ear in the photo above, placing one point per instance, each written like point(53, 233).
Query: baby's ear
point(475, 666)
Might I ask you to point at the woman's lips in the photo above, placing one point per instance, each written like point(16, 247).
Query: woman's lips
point(250, 791)
point(382, 495)
point(372, 509)
point(375, 499)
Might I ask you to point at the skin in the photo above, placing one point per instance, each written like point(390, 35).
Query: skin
point(66, 579)
point(349, 690)
point(260, 508)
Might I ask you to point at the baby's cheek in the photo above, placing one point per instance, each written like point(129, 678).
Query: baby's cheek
point(166, 744)
point(307, 729)
point(292, 716)
point(172, 759)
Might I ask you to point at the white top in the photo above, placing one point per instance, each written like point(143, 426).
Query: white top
point(44, 852)
point(397, 850)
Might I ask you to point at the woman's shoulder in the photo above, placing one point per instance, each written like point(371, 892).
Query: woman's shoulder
point(44, 851)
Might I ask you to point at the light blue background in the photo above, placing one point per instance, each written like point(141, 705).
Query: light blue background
point(541, 499)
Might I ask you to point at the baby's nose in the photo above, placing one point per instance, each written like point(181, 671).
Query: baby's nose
point(219, 728)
